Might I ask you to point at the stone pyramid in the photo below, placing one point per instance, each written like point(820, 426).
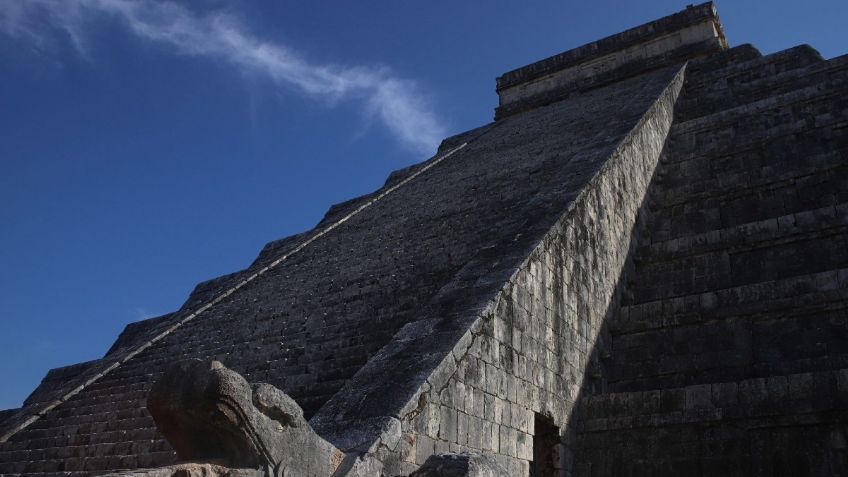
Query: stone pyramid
point(639, 268)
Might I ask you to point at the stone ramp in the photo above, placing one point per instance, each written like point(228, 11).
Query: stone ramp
point(728, 355)
point(309, 325)
point(477, 303)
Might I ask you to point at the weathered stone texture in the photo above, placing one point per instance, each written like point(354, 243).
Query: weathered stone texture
point(695, 31)
point(527, 352)
point(306, 327)
point(6, 413)
point(649, 259)
point(212, 414)
point(460, 465)
point(730, 352)
point(189, 470)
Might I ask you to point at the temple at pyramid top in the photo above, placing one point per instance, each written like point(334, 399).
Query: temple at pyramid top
point(639, 268)
point(688, 34)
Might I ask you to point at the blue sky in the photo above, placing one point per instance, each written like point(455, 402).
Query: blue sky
point(147, 146)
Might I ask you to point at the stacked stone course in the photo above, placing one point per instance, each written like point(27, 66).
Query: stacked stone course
point(730, 351)
point(646, 254)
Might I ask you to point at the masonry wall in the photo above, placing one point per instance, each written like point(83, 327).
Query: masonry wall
point(481, 291)
point(729, 355)
point(317, 314)
point(529, 352)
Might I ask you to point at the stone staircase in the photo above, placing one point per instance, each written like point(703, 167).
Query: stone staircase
point(309, 326)
point(729, 355)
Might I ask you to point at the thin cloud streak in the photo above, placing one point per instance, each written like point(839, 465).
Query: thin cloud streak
point(396, 102)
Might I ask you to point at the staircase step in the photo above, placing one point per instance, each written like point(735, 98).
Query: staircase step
point(790, 340)
point(749, 65)
point(731, 176)
point(735, 87)
point(769, 260)
point(747, 236)
point(773, 296)
point(722, 208)
point(795, 398)
point(814, 100)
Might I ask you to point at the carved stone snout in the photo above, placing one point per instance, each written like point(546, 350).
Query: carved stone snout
point(210, 413)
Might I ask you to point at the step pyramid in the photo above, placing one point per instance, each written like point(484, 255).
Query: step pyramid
point(639, 268)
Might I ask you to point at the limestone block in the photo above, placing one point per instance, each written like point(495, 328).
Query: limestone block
point(460, 465)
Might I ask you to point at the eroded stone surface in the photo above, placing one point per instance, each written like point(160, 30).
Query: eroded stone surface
point(729, 355)
point(189, 470)
point(671, 40)
point(460, 465)
point(484, 294)
point(212, 414)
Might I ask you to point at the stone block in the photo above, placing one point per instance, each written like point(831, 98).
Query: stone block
point(448, 424)
point(460, 465)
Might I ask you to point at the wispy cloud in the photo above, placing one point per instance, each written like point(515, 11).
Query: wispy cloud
point(143, 314)
point(396, 102)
